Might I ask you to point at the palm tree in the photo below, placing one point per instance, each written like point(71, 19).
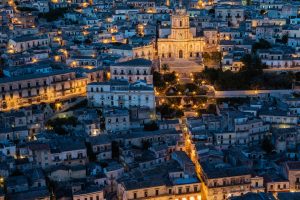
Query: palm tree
point(165, 67)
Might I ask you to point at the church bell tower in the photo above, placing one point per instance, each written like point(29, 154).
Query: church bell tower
point(180, 28)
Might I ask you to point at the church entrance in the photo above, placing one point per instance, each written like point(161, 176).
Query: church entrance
point(180, 54)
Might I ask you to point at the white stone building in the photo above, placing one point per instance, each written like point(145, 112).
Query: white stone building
point(232, 14)
point(117, 120)
point(121, 93)
point(133, 70)
point(24, 43)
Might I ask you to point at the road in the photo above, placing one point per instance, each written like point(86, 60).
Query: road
point(191, 151)
point(238, 93)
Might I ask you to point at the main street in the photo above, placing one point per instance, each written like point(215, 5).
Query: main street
point(191, 151)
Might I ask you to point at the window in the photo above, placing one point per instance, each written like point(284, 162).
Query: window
point(187, 189)
point(195, 189)
point(179, 190)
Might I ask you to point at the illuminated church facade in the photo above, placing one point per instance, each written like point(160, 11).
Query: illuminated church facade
point(179, 44)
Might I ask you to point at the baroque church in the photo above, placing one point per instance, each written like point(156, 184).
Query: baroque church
point(180, 45)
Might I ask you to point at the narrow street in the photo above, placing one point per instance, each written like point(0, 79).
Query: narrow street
point(191, 151)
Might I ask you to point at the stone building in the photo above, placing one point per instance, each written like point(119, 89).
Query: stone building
point(181, 44)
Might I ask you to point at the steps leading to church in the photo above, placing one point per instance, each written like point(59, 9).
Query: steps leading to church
point(184, 66)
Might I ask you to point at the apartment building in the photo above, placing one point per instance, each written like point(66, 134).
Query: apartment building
point(292, 173)
point(164, 182)
point(223, 183)
point(91, 192)
point(121, 93)
point(133, 70)
point(232, 14)
point(31, 89)
point(23, 43)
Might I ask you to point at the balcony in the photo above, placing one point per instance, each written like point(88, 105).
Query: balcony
point(232, 185)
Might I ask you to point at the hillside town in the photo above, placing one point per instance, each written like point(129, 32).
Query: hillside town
point(149, 99)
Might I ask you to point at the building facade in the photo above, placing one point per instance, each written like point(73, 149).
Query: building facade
point(133, 70)
point(182, 43)
point(121, 93)
point(31, 89)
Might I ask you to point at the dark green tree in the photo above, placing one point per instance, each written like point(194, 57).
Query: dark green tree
point(267, 145)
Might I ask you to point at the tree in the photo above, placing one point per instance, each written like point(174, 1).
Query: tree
point(53, 14)
point(261, 44)
point(158, 81)
point(26, 9)
point(88, 41)
point(152, 126)
point(284, 39)
point(89, 150)
point(146, 144)
point(170, 77)
point(168, 111)
point(165, 67)
point(115, 150)
point(59, 124)
point(212, 58)
point(211, 11)
point(263, 12)
point(267, 145)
